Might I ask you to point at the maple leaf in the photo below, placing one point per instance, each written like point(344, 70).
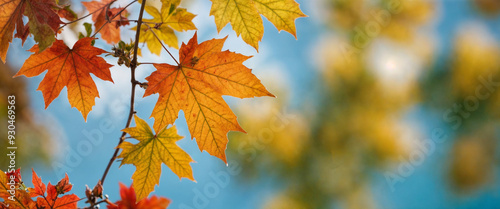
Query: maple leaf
point(43, 22)
point(246, 21)
point(70, 68)
point(38, 186)
point(163, 24)
point(196, 86)
point(110, 32)
point(128, 201)
point(150, 152)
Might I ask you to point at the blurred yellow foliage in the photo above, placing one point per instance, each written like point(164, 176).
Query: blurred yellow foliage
point(283, 202)
point(327, 155)
point(475, 55)
point(408, 17)
point(473, 161)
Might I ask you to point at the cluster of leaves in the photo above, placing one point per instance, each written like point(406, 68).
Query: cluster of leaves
point(17, 196)
point(194, 84)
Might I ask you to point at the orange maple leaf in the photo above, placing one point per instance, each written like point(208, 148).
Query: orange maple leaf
point(128, 201)
point(70, 68)
point(43, 22)
point(38, 186)
point(110, 32)
point(196, 86)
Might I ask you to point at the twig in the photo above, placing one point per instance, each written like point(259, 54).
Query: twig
point(81, 18)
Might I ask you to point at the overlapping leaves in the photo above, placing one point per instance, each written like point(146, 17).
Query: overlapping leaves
point(43, 22)
point(169, 18)
point(49, 196)
point(102, 15)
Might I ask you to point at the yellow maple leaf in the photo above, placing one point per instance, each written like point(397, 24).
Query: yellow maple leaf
point(151, 151)
point(246, 21)
point(163, 24)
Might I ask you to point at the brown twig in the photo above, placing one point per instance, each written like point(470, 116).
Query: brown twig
point(158, 38)
point(133, 81)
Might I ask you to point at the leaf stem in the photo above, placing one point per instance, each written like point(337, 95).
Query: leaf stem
point(133, 81)
point(158, 38)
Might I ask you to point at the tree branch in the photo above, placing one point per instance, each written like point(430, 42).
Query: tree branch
point(133, 66)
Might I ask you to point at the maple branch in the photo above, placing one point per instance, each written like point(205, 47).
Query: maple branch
point(133, 66)
point(108, 19)
point(158, 38)
point(81, 18)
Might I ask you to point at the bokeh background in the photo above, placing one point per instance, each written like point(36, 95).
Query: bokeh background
point(380, 104)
